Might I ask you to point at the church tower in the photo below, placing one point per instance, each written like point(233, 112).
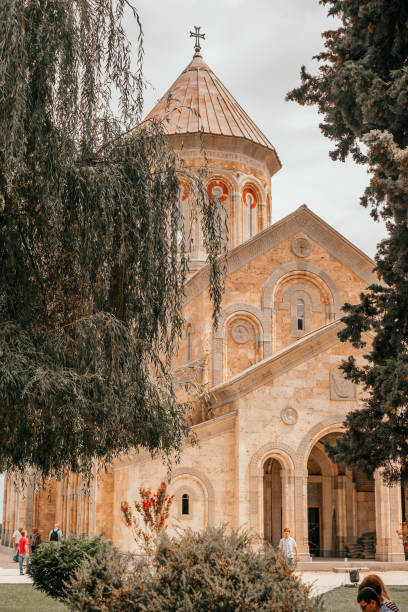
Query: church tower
point(209, 130)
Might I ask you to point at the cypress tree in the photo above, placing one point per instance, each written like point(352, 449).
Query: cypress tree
point(92, 275)
point(362, 91)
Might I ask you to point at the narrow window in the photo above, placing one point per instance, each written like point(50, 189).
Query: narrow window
point(300, 315)
point(189, 343)
point(183, 193)
point(185, 504)
point(250, 201)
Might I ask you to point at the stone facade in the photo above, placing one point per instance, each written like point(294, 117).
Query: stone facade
point(272, 365)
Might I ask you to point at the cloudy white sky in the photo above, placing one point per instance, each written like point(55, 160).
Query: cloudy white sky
point(256, 48)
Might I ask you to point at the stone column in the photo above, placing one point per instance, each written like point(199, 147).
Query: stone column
point(351, 522)
point(388, 519)
point(29, 509)
point(237, 229)
point(327, 515)
point(288, 500)
point(267, 505)
point(68, 507)
point(92, 507)
point(340, 492)
point(80, 507)
point(5, 534)
point(58, 518)
point(301, 519)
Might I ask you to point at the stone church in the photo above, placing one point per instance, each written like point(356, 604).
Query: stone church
point(271, 364)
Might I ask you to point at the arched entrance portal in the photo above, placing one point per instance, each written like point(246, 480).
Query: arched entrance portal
point(272, 485)
point(340, 507)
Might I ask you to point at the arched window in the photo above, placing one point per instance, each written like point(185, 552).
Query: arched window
point(185, 504)
point(250, 200)
point(300, 315)
point(189, 343)
point(183, 194)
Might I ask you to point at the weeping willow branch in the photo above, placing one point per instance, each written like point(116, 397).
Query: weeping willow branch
point(94, 306)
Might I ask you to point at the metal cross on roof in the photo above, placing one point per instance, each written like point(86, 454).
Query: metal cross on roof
point(197, 36)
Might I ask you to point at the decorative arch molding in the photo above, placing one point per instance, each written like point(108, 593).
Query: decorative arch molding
point(261, 317)
point(284, 454)
point(329, 425)
point(188, 333)
point(299, 266)
point(228, 202)
point(228, 179)
point(207, 485)
point(219, 332)
point(275, 450)
point(184, 488)
point(246, 179)
point(193, 498)
point(326, 466)
point(284, 304)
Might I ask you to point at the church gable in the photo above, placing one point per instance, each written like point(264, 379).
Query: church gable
point(286, 282)
point(294, 367)
point(301, 220)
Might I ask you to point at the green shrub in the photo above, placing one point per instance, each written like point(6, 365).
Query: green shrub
point(103, 583)
point(198, 571)
point(54, 563)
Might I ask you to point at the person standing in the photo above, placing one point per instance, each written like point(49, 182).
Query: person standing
point(56, 534)
point(15, 539)
point(35, 540)
point(288, 547)
point(23, 550)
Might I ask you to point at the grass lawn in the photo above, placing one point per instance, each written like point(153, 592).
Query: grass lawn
point(24, 598)
point(343, 598)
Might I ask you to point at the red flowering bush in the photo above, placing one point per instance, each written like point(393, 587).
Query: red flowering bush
point(153, 508)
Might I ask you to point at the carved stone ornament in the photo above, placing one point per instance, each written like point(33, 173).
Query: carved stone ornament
point(341, 388)
point(240, 333)
point(289, 415)
point(301, 247)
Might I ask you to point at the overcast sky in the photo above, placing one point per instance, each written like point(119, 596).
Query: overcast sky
point(257, 48)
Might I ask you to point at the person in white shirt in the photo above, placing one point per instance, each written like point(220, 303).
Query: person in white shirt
point(288, 547)
point(15, 539)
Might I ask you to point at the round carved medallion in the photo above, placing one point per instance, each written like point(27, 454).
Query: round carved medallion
point(240, 333)
point(301, 246)
point(289, 415)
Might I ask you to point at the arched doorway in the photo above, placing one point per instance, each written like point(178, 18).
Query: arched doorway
point(340, 507)
point(272, 489)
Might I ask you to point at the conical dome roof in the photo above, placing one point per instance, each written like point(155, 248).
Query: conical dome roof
point(198, 102)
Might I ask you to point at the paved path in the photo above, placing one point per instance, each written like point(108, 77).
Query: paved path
point(321, 581)
point(325, 581)
point(9, 570)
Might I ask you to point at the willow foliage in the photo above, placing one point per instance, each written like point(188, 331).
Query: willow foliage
point(92, 275)
point(362, 91)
